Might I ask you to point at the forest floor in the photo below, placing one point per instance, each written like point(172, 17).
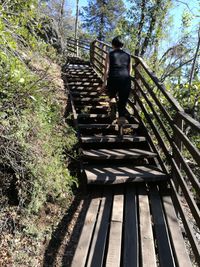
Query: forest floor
point(47, 241)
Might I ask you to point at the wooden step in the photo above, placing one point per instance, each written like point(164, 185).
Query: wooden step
point(88, 88)
point(85, 79)
point(83, 84)
point(112, 154)
point(91, 99)
point(122, 173)
point(85, 93)
point(101, 118)
point(79, 73)
point(79, 67)
point(94, 109)
point(131, 227)
point(82, 90)
point(112, 139)
point(105, 126)
point(93, 116)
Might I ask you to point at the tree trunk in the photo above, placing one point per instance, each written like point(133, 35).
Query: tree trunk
point(151, 28)
point(60, 23)
point(102, 22)
point(194, 61)
point(76, 27)
point(76, 22)
point(60, 20)
point(140, 26)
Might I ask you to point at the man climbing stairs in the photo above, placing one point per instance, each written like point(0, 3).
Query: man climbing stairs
point(108, 156)
point(131, 219)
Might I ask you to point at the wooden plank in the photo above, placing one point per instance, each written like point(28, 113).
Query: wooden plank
point(98, 54)
point(122, 173)
point(156, 115)
point(90, 99)
point(150, 139)
point(148, 255)
point(188, 144)
point(93, 116)
point(160, 86)
point(83, 84)
point(186, 223)
point(84, 94)
point(131, 238)
point(187, 194)
point(165, 254)
point(154, 127)
point(105, 126)
point(190, 175)
point(189, 120)
point(154, 96)
point(81, 252)
point(88, 107)
point(112, 139)
point(177, 241)
point(117, 154)
point(97, 249)
point(115, 236)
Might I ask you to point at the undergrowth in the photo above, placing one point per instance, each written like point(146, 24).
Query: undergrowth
point(34, 137)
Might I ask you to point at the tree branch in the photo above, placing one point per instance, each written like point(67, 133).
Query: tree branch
point(195, 60)
point(179, 1)
point(171, 72)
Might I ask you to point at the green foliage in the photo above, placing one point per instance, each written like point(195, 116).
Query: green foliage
point(100, 17)
point(189, 98)
point(34, 136)
point(148, 19)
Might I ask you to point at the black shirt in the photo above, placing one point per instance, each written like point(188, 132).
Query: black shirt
point(119, 64)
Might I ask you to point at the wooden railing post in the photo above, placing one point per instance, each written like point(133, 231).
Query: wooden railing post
point(77, 48)
point(178, 121)
point(104, 54)
point(92, 52)
point(137, 91)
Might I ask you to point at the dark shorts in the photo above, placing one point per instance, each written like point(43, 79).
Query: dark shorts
point(118, 85)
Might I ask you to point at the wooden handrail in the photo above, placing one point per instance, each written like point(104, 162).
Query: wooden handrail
point(189, 120)
point(160, 86)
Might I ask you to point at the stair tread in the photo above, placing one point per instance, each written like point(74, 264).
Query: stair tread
point(91, 99)
point(84, 94)
point(122, 173)
point(112, 139)
point(106, 106)
point(106, 126)
point(117, 154)
point(93, 115)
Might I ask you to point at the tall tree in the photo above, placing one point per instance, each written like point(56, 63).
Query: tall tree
point(148, 18)
point(61, 13)
point(76, 22)
point(101, 16)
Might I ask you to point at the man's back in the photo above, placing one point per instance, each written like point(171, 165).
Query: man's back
point(119, 64)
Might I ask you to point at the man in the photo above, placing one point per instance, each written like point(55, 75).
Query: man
point(117, 77)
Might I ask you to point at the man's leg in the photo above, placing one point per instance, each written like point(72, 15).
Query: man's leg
point(112, 95)
point(123, 99)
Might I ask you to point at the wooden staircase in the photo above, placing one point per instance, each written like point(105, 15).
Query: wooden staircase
point(140, 184)
point(107, 156)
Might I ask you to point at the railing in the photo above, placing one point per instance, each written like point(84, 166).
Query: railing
point(78, 48)
point(165, 122)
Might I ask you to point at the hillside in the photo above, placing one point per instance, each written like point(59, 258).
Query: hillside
point(34, 137)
